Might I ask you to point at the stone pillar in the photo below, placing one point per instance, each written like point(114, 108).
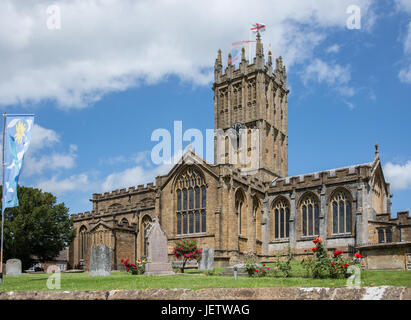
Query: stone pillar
point(359, 217)
point(231, 220)
point(217, 217)
point(293, 222)
point(244, 100)
point(324, 216)
point(276, 151)
point(251, 224)
point(229, 106)
point(158, 204)
point(279, 153)
point(265, 230)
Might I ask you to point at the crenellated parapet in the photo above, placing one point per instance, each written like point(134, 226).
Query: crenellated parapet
point(277, 74)
point(124, 192)
point(120, 201)
point(333, 176)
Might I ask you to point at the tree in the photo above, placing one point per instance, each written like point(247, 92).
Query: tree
point(186, 250)
point(38, 227)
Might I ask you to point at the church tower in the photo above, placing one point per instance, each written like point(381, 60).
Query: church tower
point(254, 96)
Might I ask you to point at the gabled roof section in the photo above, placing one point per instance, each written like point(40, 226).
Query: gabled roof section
point(101, 223)
point(189, 158)
point(377, 170)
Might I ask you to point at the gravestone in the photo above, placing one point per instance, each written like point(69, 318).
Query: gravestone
point(189, 264)
point(157, 258)
point(241, 269)
point(13, 267)
point(100, 260)
point(207, 259)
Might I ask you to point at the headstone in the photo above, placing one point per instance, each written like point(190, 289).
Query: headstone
point(13, 267)
point(100, 260)
point(189, 264)
point(157, 258)
point(241, 270)
point(207, 259)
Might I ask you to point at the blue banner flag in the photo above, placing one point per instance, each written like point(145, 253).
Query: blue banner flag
point(17, 135)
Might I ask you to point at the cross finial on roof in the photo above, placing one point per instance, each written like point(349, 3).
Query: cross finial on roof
point(377, 153)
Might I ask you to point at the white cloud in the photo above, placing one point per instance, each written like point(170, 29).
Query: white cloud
point(407, 41)
point(42, 137)
point(333, 49)
point(331, 74)
point(334, 75)
point(53, 161)
point(349, 105)
point(403, 5)
point(405, 73)
point(111, 45)
point(133, 176)
point(346, 91)
point(39, 157)
point(398, 175)
point(78, 182)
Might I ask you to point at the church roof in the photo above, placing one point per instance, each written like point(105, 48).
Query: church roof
point(316, 175)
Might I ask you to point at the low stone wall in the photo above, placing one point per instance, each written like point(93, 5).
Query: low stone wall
point(386, 256)
point(277, 293)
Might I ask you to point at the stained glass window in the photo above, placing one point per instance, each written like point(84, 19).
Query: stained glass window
point(281, 219)
point(191, 196)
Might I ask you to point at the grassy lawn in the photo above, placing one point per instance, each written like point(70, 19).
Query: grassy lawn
point(195, 280)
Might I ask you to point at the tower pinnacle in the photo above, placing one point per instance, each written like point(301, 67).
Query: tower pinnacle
point(259, 56)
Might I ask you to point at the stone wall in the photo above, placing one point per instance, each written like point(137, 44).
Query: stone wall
point(276, 293)
point(386, 256)
point(125, 249)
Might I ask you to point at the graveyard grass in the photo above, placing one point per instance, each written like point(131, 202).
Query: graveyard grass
point(194, 279)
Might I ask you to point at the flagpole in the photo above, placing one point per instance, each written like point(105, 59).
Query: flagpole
point(2, 203)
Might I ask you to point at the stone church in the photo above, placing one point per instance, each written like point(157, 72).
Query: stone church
point(265, 212)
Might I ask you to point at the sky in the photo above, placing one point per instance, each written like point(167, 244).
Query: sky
point(102, 75)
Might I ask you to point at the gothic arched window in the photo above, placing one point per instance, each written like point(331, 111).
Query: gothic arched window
point(191, 202)
point(310, 216)
point(380, 236)
point(83, 235)
point(281, 211)
point(388, 235)
point(145, 226)
point(341, 209)
point(258, 218)
point(240, 210)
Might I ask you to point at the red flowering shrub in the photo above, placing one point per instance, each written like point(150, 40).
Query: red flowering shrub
point(186, 250)
point(261, 272)
point(321, 265)
point(138, 268)
point(337, 253)
point(357, 258)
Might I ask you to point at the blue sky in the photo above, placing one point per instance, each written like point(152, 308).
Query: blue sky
point(116, 71)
